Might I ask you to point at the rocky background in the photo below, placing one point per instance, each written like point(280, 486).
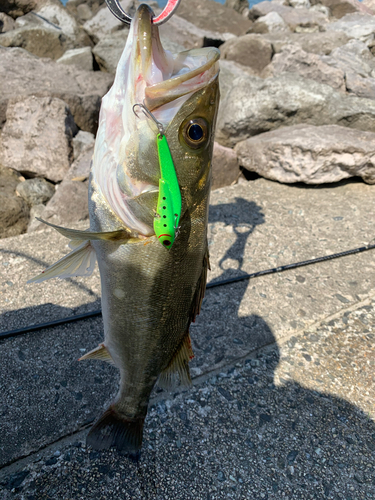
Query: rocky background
point(297, 83)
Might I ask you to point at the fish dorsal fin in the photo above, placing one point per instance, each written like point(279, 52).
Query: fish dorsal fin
point(100, 352)
point(179, 364)
point(74, 234)
point(80, 262)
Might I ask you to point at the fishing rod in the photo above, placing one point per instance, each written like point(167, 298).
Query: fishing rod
point(213, 284)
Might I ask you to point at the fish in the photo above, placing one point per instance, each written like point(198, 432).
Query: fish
point(151, 289)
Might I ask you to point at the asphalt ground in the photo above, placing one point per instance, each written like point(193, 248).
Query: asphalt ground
point(282, 398)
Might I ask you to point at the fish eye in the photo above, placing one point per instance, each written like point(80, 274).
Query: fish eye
point(195, 132)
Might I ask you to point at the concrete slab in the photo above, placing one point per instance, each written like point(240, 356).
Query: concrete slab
point(46, 394)
point(246, 432)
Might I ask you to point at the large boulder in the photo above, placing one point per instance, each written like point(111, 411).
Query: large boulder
point(37, 137)
point(317, 43)
point(254, 106)
point(212, 16)
point(361, 87)
point(36, 191)
point(22, 74)
point(294, 59)
point(104, 22)
point(314, 155)
point(229, 71)
point(14, 211)
point(108, 51)
point(270, 23)
point(359, 26)
point(225, 170)
point(353, 57)
point(6, 23)
point(82, 58)
point(241, 6)
point(17, 8)
point(339, 8)
point(250, 50)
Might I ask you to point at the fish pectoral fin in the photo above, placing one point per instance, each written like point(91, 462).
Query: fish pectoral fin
point(113, 429)
point(179, 364)
point(100, 352)
point(80, 262)
point(75, 234)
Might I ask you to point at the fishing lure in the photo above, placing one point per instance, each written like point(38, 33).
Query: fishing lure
point(168, 210)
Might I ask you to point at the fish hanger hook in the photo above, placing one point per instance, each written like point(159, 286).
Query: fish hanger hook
point(168, 11)
point(148, 113)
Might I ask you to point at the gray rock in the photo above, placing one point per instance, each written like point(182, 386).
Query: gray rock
point(16, 8)
point(300, 4)
point(108, 51)
point(35, 211)
point(37, 137)
point(359, 26)
point(263, 8)
point(81, 90)
point(80, 168)
point(225, 170)
point(84, 13)
point(339, 8)
point(212, 16)
point(254, 106)
point(317, 43)
point(14, 211)
point(67, 206)
point(81, 142)
point(370, 4)
point(353, 57)
point(42, 41)
point(104, 22)
point(35, 191)
point(241, 6)
point(229, 71)
point(361, 87)
point(270, 23)
point(294, 59)
point(79, 57)
point(6, 23)
point(314, 155)
point(250, 50)
point(304, 20)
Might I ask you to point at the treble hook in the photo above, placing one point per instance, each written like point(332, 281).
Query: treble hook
point(148, 113)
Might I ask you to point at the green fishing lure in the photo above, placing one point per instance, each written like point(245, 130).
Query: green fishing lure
point(168, 209)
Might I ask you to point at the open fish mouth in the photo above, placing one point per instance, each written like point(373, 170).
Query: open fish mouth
point(163, 82)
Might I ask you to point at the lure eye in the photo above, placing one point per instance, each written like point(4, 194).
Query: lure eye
point(195, 133)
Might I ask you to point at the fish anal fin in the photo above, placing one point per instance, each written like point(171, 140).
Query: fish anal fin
point(100, 352)
point(80, 262)
point(179, 364)
point(75, 234)
point(114, 430)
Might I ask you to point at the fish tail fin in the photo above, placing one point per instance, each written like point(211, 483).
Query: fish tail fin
point(179, 364)
point(113, 429)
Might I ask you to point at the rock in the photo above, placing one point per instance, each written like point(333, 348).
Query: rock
point(93, 5)
point(240, 6)
point(370, 4)
point(81, 90)
point(81, 142)
point(225, 170)
point(35, 191)
point(80, 57)
point(84, 13)
point(299, 20)
point(314, 155)
point(108, 51)
point(254, 106)
point(14, 212)
point(68, 206)
point(300, 4)
point(294, 59)
point(104, 22)
point(17, 8)
point(189, 36)
point(6, 23)
point(270, 23)
point(359, 26)
point(57, 14)
point(250, 50)
point(212, 16)
point(339, 8)
point(353, 57)
point(229, 71)
point(37, 137)
point(41, 41)
point(361, 87)
point(80, 169)
point(317, 43)
point(35, 211)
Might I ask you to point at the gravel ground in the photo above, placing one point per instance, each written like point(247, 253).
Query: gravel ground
point(256, 430)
